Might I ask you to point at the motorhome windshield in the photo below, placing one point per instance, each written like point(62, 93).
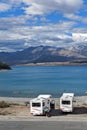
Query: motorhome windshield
point(65, 102)
point(36, 104)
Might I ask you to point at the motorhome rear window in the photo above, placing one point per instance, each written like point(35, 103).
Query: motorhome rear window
point(66, 102)
point(36, 104)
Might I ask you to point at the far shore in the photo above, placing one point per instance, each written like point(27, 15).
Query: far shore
point(54, 64)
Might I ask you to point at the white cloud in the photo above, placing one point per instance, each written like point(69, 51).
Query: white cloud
point(76, 17)
point(73, 16)
point(40, 7)
point(79, 37)
point(34, 35)
point(43, 7)
point(22, 31)
point(6, 49)
point(69, 6)
point(4, 7)
point(19, 37)
point(82, 30)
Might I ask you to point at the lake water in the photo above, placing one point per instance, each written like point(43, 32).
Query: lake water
point(29, 81)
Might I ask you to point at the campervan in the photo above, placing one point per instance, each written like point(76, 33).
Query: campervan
point(66, 102)
point(40, 105)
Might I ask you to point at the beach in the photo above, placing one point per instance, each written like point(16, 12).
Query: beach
point(20, 110)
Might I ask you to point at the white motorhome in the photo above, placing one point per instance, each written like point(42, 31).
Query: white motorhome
point(40, 105)
point(66, 102)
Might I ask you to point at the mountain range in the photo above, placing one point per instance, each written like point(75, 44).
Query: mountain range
point(40, 54)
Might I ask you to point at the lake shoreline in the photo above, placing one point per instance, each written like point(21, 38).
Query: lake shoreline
point(22, 100)
point(53, 64)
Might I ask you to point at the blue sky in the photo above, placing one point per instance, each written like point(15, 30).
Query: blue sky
point(25, 23)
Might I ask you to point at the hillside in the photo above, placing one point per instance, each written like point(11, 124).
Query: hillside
point(40, 54)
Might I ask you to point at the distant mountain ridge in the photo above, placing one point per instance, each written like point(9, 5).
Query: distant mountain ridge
point(41, 54)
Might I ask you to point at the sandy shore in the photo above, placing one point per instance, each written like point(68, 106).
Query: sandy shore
point(19, 111)
point(54, 64)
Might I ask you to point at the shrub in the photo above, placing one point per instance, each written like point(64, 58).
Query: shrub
point(3, 104)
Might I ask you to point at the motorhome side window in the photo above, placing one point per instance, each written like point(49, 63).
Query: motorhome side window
point(66, 102)
point(36, 104)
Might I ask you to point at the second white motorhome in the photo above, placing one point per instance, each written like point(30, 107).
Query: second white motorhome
point(40, 105)
point(66, 102)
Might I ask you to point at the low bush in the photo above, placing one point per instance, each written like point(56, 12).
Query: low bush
point(3, 104)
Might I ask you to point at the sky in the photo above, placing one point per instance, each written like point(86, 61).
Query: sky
point(25, 23)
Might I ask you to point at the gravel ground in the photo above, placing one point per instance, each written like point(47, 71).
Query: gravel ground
point(19, 111)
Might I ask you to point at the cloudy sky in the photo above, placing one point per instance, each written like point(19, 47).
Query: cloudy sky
point(25, 23)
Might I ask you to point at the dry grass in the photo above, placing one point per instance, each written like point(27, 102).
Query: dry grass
point(15, 110)
point(4, 113)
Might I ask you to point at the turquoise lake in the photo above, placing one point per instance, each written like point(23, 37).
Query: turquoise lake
point(29, 81)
